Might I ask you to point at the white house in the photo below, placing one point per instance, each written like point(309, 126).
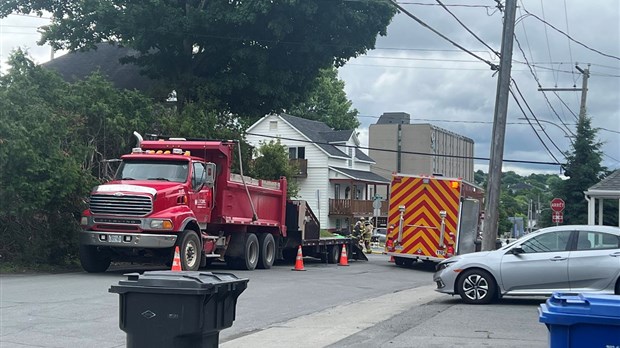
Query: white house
point(334, 175)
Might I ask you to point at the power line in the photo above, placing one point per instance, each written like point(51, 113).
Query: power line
point(466, 28)
point(533, 115)
point(546, 38)
point(404, 152)
point(492, 65)
point(571, 38)
point(538, 82)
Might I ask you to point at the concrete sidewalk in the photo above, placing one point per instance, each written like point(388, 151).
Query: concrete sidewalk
point(417, 317)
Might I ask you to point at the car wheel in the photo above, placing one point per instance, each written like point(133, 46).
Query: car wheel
point(476, 286)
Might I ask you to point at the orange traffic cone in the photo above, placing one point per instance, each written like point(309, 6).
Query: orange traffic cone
point(299, 261)
point(344, 259)
point(176, 262)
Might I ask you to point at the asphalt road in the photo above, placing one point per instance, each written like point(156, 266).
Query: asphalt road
point(367, 304)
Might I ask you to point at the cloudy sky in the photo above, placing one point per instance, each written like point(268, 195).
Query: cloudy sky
point(415, 71)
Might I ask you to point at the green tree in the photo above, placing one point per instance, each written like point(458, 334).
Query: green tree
point(272, 162)
point(253, 57)
point(583, 169)
point(52, 137)
point(328, 103)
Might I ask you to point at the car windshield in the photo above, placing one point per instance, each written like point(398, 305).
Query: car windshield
point(175, 171)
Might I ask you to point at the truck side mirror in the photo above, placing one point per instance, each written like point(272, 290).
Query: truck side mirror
point(209, 174)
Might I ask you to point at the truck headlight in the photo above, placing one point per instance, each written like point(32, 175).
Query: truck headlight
point(84, 221)
point(161, 224)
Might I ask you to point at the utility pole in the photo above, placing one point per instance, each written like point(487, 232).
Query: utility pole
point(584, 90)
point(489, 234)
point(585, 75)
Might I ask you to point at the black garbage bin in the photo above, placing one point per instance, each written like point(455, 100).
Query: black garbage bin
point(177, 309)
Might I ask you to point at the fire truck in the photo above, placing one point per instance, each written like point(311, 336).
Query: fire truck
point(432, 218)
point(175, 192)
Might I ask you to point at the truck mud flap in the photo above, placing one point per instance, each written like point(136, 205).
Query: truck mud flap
point(356, 252)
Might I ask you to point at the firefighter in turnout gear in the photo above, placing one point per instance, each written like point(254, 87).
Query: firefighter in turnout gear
point(368, 227)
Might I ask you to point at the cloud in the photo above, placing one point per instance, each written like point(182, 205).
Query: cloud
point(414, 71)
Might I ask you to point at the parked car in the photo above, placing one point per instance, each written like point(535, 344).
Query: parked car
point(379, 234)
point(576, 258)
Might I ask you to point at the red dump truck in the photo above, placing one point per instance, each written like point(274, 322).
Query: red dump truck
point(175, 192)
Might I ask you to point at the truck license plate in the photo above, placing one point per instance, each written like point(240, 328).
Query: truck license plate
point(114, 238)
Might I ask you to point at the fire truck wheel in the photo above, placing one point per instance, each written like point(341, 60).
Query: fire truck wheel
point(190, 251)
point(92, 260)
point(399, 261)
point(476, 286)
point(267, 250)
point(333, 254)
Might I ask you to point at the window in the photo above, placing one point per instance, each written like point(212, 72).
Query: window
point(273, 125)
point(175, 171)
point(547, 242)
point(350, 161)
point(198, 176)
point(297, 152)
point(597, 240)
point(337, 191)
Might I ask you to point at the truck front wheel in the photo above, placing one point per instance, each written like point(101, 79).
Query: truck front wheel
point(93, 260)
point(190, 251)
point(267, 250)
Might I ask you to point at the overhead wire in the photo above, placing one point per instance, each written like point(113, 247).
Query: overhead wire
point(542, 7)
point(538, 82)
point(403, 152)
point(422, 23)
point(570, 37)
point(535, 132)
point(466, 28)
point(534, 116)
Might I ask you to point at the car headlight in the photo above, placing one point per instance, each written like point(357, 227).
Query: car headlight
point(161, 224)
point(443, 265)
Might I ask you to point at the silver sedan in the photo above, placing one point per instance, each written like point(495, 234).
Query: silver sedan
point(578, 258)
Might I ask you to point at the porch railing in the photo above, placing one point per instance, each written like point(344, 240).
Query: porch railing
point(354, 207)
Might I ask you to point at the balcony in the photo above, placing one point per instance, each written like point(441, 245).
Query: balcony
point(302, 167)
point(354, 207)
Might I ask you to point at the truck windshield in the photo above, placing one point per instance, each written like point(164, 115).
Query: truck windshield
point(175, 171)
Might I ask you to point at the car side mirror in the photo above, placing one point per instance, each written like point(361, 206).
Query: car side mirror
point(517, 249)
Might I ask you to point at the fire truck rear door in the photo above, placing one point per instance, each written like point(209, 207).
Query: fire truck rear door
point(468, 226)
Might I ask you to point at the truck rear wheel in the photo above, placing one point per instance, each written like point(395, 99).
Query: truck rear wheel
point(250, 254)
point(333, 254)
point(267, 250)
point(190, 251)
point(92, 260)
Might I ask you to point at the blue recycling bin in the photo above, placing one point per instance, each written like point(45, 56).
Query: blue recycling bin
point(582, 320)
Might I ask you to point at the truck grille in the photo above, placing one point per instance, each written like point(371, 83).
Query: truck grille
point(125, 205)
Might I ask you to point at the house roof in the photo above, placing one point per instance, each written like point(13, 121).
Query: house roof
point(361, 175)
point(78, 65)
point(320, 133)
point(610, 183)
point(337, 136)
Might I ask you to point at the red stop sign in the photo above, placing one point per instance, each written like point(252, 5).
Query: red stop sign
point(557, 204)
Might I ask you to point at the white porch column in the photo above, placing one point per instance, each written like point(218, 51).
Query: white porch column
point(618, 212)
point(600, 211)
point(591, 203)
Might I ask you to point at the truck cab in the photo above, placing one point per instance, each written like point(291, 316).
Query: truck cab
point(160, 191)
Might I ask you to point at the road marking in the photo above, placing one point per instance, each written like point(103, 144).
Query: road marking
point(334, 324)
